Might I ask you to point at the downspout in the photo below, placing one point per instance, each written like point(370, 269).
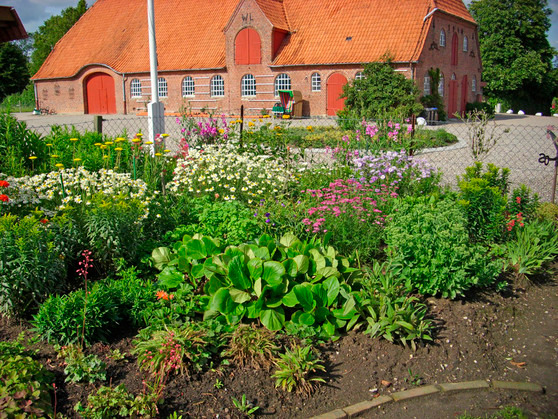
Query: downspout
point(124, 92)
point(36, 95)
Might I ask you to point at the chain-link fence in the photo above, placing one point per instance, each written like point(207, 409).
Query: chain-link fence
point(520, 142)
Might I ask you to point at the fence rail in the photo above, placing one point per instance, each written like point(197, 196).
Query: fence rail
point(520, 142)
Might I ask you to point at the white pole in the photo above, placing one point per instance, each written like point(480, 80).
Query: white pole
point(155, 109)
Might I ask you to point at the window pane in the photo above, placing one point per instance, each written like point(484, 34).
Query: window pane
point(316, 82)
point(188, 86)
point(217, 86)
point(248, 85)
point(282, 82)
point(163, 90)
point(135, 88)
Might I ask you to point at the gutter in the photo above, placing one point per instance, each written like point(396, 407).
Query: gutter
point(430, 14)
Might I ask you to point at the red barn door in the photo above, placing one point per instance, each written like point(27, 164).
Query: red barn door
point(464, 92)
point(99, 89)
point(335, 85)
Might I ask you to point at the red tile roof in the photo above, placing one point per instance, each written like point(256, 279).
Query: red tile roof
point(190, 33)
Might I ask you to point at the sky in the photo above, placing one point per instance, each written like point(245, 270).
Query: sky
point(34, 12)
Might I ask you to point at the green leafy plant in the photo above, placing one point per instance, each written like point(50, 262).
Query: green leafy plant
point(482, 133)
point(427, 241)
point(252, 346)
point(244, 406)
point(24, 383)
point(483, 198)
point(296, 369)
point(31, 266)
point(523, 201)
point(548, 211)
point(413, 378)
point(117, 402)
point(218, 384)
point(81, 367)
point(389, 309)
point(531, 247)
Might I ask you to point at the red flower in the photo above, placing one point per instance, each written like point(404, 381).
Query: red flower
point(4, 198)
point(518, 200)
point(44, 221)
point(4, 184)
point(162, 295)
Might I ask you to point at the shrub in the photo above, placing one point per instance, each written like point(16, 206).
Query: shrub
point(522, 201)
point(483, 200)
point(548, 211)
point(296, 370)
point(24, 383)
point(428, 242)
point(252, 346)
point(81, 367)
point(31, 265)
point(480, 107)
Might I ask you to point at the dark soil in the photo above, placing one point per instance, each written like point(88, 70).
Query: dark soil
point(511, 337)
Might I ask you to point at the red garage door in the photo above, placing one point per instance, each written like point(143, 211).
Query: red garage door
point(335, 85)
point(99, 88)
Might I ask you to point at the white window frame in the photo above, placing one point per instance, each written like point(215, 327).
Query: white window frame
point(441, 86)
point(188, 87)
point(217, 86)
point(135, 88)
point(426, 89)
point(316, 82)
point(248, 86)
point(442, 38)
point(465, 44)
point(359, 75)
point(282, 82)
point(162, 87)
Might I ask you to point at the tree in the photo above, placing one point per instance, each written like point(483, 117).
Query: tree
point(14, 75)
point(50, 32)
point(382, 93)
point(516, 54)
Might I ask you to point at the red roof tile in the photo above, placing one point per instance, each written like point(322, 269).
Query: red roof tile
point(190, 33)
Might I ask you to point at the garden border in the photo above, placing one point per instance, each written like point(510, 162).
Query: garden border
point(364, 406)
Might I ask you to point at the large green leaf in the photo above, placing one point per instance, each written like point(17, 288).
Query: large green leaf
point(211, 246)
point(213, 285)
point(195, 249)
point(327, 271)
point(273, 272)
point(222, 302)
point(288, 239)
point(262, 253)
point(255, 267)
point(239, 296)
point(331, 285)
point(237, 273)
point(291, 268)
point(304, 296)
point(302, 262)
point(320, 294)
point(197, 271)
point(289, 299)
point(170, 277)
point(273, 319)
point(161, 257)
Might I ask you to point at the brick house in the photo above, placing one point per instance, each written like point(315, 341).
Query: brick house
point(219, 55)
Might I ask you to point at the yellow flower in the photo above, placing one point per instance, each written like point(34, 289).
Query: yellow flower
point(49, 145)
point(73, 140)
point(98, 144)
point(119, 149)
point(164, 135)
point(149, 142)
point(286, 116)
point(221, 131)
point(139, 134)
point(103, 146)
point(250, 124)
point(59, 165)
point(158, 154)
point(166, 150)
point(136, 140)
point(310, 128)
point(32, 157)
point(267, 116)
point(77, 159)
point(109, 143)
point(119, 140)
point(105, 157)
point(55, 156)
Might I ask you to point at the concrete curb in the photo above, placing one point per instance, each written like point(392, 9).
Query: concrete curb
point(364, 406)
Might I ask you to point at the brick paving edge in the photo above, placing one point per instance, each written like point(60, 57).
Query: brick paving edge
point(364, 406)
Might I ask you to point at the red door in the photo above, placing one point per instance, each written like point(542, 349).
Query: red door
point(334, 86)
point(464, 92)
point(99, 89)
point(452, 106)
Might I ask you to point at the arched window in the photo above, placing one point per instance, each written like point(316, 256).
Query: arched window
point(135, 88)
point(359, 75)
point(474, 84)
point(162, 87)
point(465, 44)
point(316, 82)
point(282, 82)
point(247, 47)
point(248, 85)
point(441, 86)
point(442, 38)
point(426, 88)
point(188, 86)
point(217, 86)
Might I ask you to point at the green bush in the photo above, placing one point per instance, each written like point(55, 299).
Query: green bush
point(522, 201)
point(427, 241)
point(24, 383)
point(480, 107)
point(109, 303)
point(31, 265)
point(483, 199)
point(548, 211)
